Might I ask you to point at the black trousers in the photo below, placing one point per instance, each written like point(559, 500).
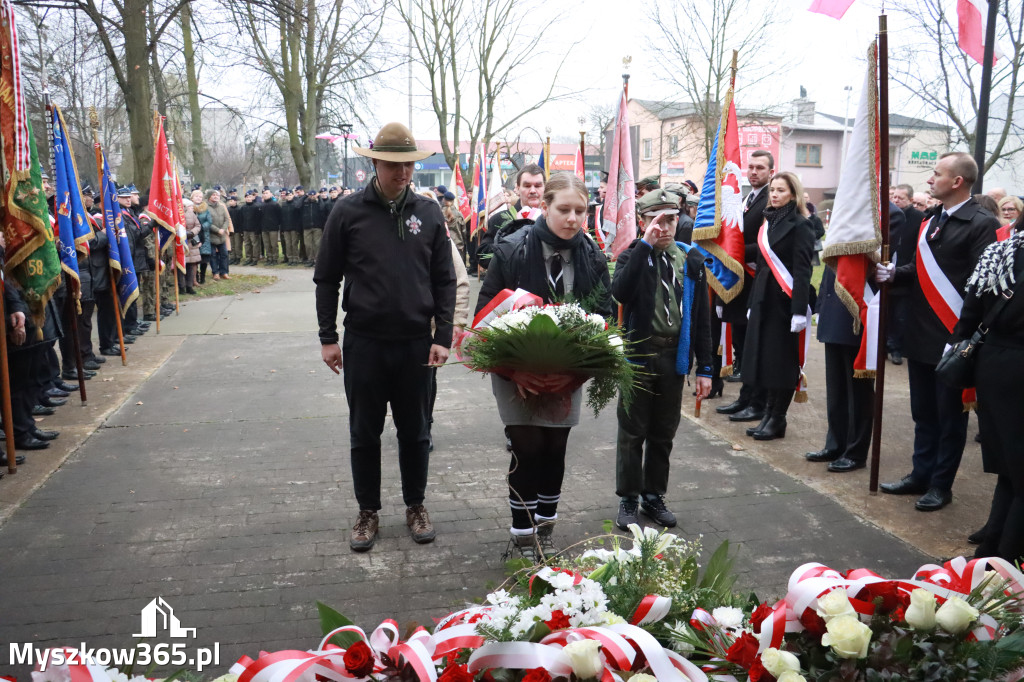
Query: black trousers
point(651, 421)
point(535, 473)
point(1004, 530)
point(106, 320)
point(29, 369)
point(897, 321)
point(940, 427)
point(85, 329)
point(379, 373)
point(849, 404)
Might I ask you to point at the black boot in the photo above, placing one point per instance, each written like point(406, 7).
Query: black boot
point(775, 428)
point(754, 430)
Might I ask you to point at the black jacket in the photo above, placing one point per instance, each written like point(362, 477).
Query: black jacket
point(99, 259)
point(252, 217)
point(735, 311)
point(309, 213)
point(396, 262)
point(237, 221)
point(956, 248)
point(634, 286)
point(903, 240)
point(290, 215)
point(271, 218)
point(136, 240)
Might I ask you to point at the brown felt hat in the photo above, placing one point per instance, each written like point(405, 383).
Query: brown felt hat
point(394, 142)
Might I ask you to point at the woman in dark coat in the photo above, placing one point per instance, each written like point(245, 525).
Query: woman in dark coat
point(539, 435)
point(783, 251)
point(999, 376)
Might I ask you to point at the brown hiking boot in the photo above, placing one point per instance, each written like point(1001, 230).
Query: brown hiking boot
point(418, 520)
point(365, 531)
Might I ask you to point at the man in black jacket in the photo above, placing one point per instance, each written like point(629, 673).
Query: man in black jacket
point(391, 247)
point(309, 221)
point(270, 226)
point(251, 218)
point(664, 295)
point(948, 248)
point(751, 402)
point(902, 243)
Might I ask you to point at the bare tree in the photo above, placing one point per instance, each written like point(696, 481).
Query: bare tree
point(699, 37)
point(601, 117)
point(946, 81)
point(469, 55)
point(312, 52)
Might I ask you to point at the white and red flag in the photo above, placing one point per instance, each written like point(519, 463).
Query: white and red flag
point(619, 212)
point(853, 240)
point(972, 19)
point(461, 197)
point(833, 8)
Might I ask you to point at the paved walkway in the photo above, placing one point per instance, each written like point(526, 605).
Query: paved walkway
point(222, 484)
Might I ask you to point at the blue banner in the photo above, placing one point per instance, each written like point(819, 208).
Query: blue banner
point(73, 227)
point(120, 252)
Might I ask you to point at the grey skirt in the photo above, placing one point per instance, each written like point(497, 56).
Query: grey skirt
point(542, 410)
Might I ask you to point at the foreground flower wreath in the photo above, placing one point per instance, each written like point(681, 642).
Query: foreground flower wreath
point(649, 613)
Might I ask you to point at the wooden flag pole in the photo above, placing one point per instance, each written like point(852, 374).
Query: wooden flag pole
point(5, 388)
point(94, 121)
point(883, 292)
point(157, 264)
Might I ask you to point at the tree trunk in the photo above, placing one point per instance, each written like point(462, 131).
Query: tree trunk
point(137, 97)
point(198, 153)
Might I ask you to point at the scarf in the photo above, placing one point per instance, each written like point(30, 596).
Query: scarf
point(994, 271)
point(774, 216)
point(583, 280)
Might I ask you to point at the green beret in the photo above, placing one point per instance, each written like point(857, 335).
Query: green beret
point(657, 200)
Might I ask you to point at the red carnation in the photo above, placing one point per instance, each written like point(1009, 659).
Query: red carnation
point(760, 614)
point(455, 673)
point(743, 652)
point(537, 675)
point(359, 659)
point(758, 673)
point(813, 623)
point(887, 592)
point(558, 621)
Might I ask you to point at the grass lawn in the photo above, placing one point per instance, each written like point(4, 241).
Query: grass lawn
point(238, 284)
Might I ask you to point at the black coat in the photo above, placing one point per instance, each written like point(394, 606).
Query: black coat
point(634, 286)
point(509, 270)
point(773, 351)
point(309, 213)
point(271, 218)
point(290, 215)
point(735, 312)
point(252, 217)
point(903, 240)
point(957, 248)
point(237, 221)
point(99, 260)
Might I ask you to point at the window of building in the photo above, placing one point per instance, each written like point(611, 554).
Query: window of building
point(673, 145)
point(648, 150)
point(808, 155)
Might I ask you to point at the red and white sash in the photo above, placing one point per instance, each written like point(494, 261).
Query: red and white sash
point(505, 301)
point(775, 263)
point(940, 293)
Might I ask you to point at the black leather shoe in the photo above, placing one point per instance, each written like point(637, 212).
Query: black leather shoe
point(29, 443)
point(90, 365)
point(149, 318)
point(64, 386)
point(128, 339)
point(732, 408)
point(747, 414)
point(934, 500)
point(46, 401)
point(754, 429)
point(41, 411)
point(734, 379)
point(844, 464)
point(775, 428)
point(905, 486)
point(896, 357)
point(978, 536)
point(111, 352)
point(45, 435)
point(57, 393)
point(822, 455)
point(99, 359)
point(19, 460)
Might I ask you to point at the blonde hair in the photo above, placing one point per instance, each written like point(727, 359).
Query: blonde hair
point(564, 180)
point(1017, 203)
point(795, 187)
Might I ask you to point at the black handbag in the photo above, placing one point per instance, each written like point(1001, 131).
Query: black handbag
point(957, 366)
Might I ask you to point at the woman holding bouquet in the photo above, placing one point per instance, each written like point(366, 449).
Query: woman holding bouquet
point(778, 301)
point(555, 260)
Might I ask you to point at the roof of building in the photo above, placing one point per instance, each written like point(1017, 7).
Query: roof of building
point(668, 110)
point(895, 121)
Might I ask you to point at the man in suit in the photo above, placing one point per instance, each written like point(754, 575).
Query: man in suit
point(948, 248)
point(848, 400)
point(903, 243)
point(750, 404)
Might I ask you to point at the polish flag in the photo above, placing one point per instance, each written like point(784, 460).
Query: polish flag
point(461, 198)
point(973, 17)
point(833, 8)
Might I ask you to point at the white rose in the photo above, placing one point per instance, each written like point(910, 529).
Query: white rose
point(835, 604)
point(585, 657)
point(921, 612)
point(643, 678)
point(847, 636)
point(728, 616)
point(956, 615)
point(790, 676)
point(615, 341)
point(777, 662)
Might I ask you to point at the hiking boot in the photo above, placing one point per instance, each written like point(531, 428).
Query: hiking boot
point(529, 547)
point(418, 520)
point(654, 507)
point(627, 513)
point(365, 531)
point(544, 531)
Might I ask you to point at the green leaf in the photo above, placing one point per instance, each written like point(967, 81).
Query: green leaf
point(331, 620)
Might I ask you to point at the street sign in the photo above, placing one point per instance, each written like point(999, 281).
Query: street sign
point(360, 175)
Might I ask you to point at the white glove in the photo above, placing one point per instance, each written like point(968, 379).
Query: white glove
point(719, 311)
point(884, 273)
point(946, 349)
point(798, 323)
point(181, 233)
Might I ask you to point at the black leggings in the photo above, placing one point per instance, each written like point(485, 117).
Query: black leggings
point(1004, 531)
point(535, 473)
point(203, 264)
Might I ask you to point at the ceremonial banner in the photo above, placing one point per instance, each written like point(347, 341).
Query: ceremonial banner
point(619, 212)
point(496, 191)
point(833, 8)
point(853, 239)
point(718, 225)
point(161, 206)
point(120, 252)
point(480, 197)
point(461, 198)
point(972, 19)
point(578, 166)
point(179, 221)
point(74, 229)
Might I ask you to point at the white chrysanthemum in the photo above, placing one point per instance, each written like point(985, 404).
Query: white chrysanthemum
point(728, 616)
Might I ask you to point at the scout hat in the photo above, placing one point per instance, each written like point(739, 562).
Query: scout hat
point(658, 201)
point(650, 182)
point(395, 143)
